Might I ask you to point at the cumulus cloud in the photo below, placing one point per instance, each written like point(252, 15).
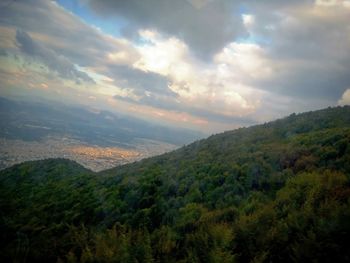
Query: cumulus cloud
point(204, 25)
point(246, 59)
point(201, 85)
point(306, 41)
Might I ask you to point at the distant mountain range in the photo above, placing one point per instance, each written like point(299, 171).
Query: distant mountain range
point(33, 121)
point(277, 192)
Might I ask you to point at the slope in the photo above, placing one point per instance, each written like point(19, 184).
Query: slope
point(269, 193)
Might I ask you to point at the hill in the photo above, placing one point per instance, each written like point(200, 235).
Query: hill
point(269, 193)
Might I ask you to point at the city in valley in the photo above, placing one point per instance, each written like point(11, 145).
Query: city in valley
point(97, 140)
point(94, 157)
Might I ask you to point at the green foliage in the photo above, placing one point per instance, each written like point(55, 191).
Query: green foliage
point(278, 192)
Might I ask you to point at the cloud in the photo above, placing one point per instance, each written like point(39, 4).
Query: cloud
point(244, 59)
point(160, 54)
point(205, 25)
point(306, 46)
point(48, 57)
point(248, 20)
point(166, 103)
point(139, 81)
point(66, 34)
point(332, 3)
point(345, 99)
point(196, 83)
point(235, 62)
point(305, 43)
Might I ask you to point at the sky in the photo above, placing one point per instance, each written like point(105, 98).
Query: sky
point(209, 65)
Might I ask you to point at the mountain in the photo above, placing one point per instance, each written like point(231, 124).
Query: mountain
point(32, 121)
point(276, 192)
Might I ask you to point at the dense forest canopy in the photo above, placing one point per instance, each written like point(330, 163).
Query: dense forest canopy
point(277, 192)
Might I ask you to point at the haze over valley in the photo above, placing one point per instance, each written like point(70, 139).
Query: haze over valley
point(96, 139)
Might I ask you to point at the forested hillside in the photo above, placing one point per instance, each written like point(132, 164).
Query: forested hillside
point(277, 192)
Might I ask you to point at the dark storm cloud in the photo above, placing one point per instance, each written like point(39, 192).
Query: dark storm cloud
point(53, 61)
point(205, 25)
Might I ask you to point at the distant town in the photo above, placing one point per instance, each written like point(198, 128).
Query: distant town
point(94, 157)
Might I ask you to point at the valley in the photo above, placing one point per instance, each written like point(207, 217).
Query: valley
point(93, 157)
point(98, 140)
